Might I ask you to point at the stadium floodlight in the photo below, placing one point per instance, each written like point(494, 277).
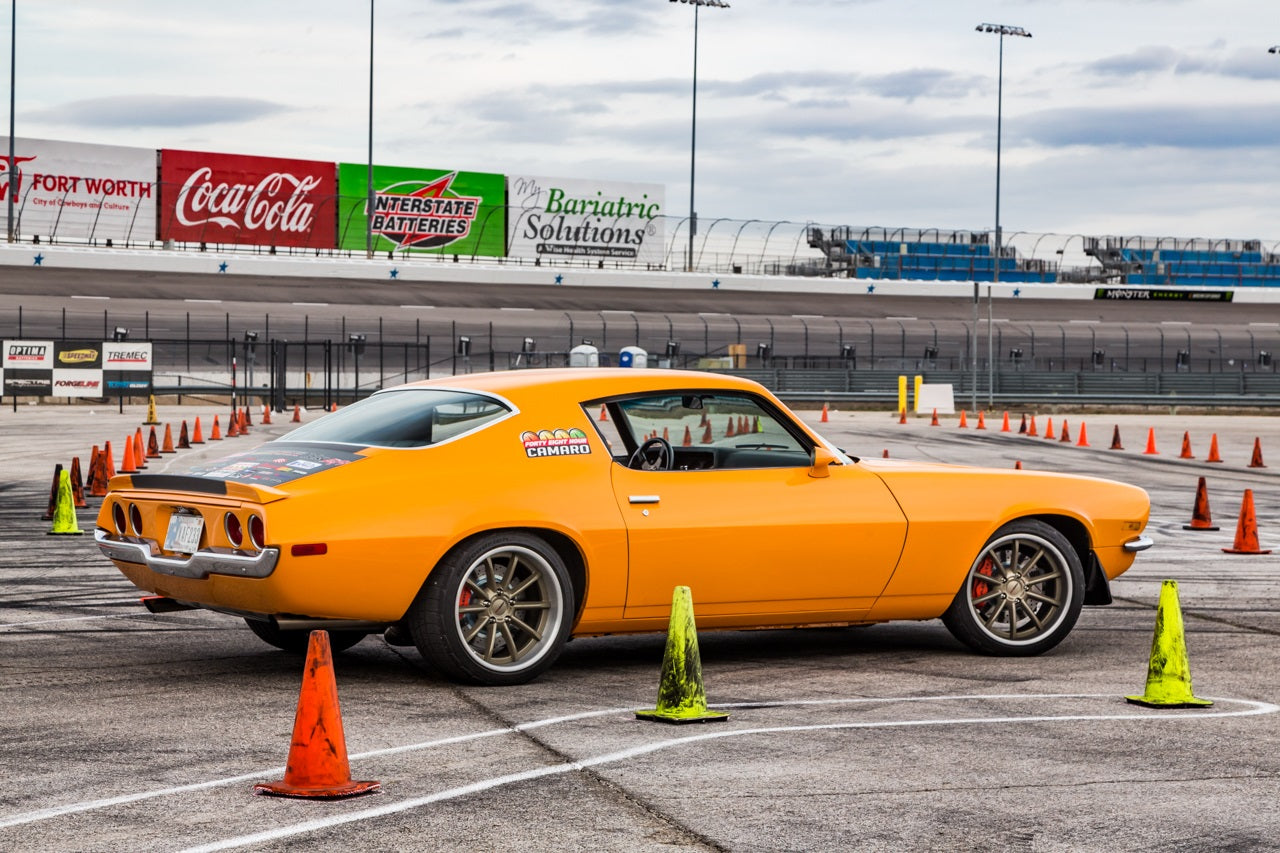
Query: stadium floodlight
point(120, 334)
point(693, 133)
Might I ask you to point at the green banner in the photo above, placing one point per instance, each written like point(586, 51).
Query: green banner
point(423, 210)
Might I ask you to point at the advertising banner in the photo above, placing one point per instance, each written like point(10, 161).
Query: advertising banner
point(77, 369)
point(259, 201)
point(27, 368)
point(423, 210)
point(126, 367)
point(571, 218)
point(74, 192)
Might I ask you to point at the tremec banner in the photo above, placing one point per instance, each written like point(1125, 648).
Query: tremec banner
point(74, 192)
point(576, 218)
point(423, 210)
point(258, 201)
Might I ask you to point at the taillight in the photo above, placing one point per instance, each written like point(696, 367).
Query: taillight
point(235, 533)
point(117, 516)
point(257, 532)
point(135, 519)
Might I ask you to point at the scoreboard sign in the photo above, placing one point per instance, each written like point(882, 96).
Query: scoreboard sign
point(75, 368)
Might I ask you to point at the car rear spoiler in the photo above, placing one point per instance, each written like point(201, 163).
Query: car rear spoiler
point(195, 485)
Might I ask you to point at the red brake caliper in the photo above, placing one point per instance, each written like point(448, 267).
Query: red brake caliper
point(980, 588)
point(465, 598)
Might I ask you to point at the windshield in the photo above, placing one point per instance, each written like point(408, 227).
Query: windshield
point(413, 417)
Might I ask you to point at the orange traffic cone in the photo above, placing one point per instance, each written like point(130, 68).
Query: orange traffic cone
point(153, 445)
point(139, 450)
point(233, 431)
point(197, 436)
point(1064, 435)
point(934, 422)
point(184, 440)
point(297, 414)
point(706, 435)
point(245, 420)
point(1017, 465)
point(1151, 443)
point(110, 464)
point(333, 407)
point(95, 471)
point(1213, 449)
point(824, 413)
point(755, 426)
point(167, 445)
point(886, 453)
point(216, 434)
point(77, 485)
point(1004, 426)
point(1246, 529)
point(1031, 430)
point(982, 421)
point(728, 430)
point(604, 415)
point(1022, 427)
point(1115, 439)
point(688, 437)
point(127, 465)
point(317, 766)
point(266, 415)
point(53, 492)
point(665, 435)
point(964, 422)
point(1084, 437)
point(1200, 517)
point(1048, 430)
point(1186, 447)
point(1256, 461)
point(902, 415)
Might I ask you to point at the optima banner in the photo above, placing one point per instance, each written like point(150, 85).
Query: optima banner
point(423, 210)
point(575, 218)
point(77, 192)
point(257, 201)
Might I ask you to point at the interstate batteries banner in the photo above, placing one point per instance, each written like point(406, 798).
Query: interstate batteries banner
point(573, 218)
point(423, 210)
point(259, 201)
point(74, 191)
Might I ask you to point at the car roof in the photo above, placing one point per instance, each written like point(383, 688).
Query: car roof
point(587, 383)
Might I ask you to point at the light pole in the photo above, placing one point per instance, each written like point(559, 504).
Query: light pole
point(368, 220)
point(1001, 30)
point(11, 173)
point(693, 133)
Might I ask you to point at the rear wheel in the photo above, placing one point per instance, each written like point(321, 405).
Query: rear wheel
point(297, 641)
point(1022, 594)
point(495, 610)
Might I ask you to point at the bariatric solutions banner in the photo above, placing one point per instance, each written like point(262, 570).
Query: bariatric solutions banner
point(423, 210)
point(567, 218)
point(74, 192)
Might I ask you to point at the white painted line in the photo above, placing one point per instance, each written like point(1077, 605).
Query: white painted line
point(808, 316)
point(77, 296)
point(1085, 322)
point(5, 625)
point(422, 307)
point(508, 308)
point(902, 318)
point(317, 304)
point(1175, 322)
point(683, 742)
point(211, 301)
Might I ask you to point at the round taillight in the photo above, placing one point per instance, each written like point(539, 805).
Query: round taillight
point(257, 532)
point(135, 519)
point(235, 533)
point(117, 516)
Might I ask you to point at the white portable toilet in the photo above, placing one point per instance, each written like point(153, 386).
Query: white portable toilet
point(584, 355)
point(633, 357)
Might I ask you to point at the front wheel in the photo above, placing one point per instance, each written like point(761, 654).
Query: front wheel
point(495, 610)
point(1022, 594)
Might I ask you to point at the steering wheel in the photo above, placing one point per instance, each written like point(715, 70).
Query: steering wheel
point(656, 454)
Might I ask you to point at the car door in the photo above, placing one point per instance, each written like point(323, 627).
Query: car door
point(755, 534)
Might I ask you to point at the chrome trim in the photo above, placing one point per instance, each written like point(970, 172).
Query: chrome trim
point(1142, 543)
point(643, 499)
point(200, 565)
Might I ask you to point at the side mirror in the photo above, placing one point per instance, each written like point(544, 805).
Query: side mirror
point(822, 460)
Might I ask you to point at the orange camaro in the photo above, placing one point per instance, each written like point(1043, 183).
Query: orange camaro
point(486, 518)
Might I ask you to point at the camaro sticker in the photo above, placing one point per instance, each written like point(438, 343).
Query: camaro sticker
point(555, 442)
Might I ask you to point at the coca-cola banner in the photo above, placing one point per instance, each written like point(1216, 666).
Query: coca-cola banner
point(74, 192)
point(579, 218)
point(423, 210)
point(259, 201)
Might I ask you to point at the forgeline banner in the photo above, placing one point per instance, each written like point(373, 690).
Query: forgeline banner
point(423, 210)
point(567, 218)
point(75, 368)
point(260, 201)
point(77, 192)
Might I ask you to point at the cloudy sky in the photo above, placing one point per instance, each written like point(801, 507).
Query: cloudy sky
point(1150, 117)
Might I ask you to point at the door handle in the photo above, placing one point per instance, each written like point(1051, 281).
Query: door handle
point(643, 499)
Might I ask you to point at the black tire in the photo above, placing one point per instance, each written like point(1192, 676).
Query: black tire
point(297, 641)
point(1023, 593)
point(496, 610)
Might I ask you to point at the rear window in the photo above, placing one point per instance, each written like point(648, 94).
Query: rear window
point(409, 418)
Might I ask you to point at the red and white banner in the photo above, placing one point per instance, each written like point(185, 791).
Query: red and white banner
point(260, 201)
point(73, 192)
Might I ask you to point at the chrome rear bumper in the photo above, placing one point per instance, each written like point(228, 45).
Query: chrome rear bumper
point(1141, 543)
point(146, 552)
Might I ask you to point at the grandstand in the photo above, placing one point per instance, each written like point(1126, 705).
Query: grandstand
point(1168, 262)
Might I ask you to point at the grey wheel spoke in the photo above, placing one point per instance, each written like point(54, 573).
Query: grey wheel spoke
point(1035, 558)
point(509, 578)
point(513, 650)
point(1031, 593)
point(995, 614)
point(475, 587)
point(493, 639)
point(1013, 619)
point(1040, 579)
point(1031, 613)
point(532, 579)
point(531, 605)
point(983, 599)
point(476, 629)
point(526, 628)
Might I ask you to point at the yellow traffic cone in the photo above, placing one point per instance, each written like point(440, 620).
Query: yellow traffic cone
point(151, 412)
point(1169, 674)
point(681, 696)
point(64, 511)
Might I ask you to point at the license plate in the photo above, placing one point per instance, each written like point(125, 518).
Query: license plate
point(184, 532)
